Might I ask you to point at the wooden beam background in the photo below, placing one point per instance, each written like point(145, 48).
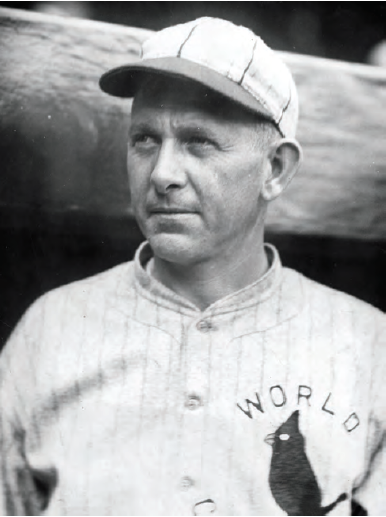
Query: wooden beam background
point(62, 140)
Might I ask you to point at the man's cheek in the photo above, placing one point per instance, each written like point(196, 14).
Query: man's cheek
point(138, 188)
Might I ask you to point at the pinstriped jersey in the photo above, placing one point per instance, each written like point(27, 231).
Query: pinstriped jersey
point(120, 397)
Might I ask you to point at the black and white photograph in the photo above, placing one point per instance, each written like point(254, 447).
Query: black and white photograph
point(193, 233)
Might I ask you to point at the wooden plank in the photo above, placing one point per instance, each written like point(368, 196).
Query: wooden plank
point(63, 141)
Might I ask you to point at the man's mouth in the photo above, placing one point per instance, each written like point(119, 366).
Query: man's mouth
point(171, 210)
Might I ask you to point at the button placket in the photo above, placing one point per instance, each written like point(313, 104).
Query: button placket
point(196, 380)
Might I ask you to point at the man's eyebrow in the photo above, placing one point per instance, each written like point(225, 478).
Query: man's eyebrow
point(196, 129)
point(141, 127)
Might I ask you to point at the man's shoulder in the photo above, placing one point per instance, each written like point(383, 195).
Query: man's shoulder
point(319, 297)
point(87, 293)
point(106, 281)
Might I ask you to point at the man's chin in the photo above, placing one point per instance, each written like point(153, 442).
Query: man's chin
point(176, 248)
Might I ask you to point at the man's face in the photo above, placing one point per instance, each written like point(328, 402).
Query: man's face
point(195, 173)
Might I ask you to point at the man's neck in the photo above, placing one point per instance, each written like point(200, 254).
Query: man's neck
point(206, 282)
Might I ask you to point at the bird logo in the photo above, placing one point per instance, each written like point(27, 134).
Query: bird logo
point(291, 479)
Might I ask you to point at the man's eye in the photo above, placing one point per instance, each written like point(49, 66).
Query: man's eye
point(143, 141)
point(199, 140)
point(200, 144)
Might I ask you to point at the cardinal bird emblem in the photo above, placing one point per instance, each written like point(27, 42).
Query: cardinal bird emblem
point(291, 479)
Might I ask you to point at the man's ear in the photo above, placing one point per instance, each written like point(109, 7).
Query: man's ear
point(285, 157)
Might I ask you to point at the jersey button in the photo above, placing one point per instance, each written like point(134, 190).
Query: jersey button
point(204, 326)
point(186, 483)
point(193, 402)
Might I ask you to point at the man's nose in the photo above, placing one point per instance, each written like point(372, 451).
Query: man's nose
point(168, 171)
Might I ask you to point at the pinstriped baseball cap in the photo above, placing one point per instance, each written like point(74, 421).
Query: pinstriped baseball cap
point(226, 58)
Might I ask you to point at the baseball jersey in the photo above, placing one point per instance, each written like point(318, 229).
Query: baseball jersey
point(119, 396)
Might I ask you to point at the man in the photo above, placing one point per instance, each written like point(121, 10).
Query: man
point(203, 377)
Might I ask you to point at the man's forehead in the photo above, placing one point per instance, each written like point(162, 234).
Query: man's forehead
point(186, 96)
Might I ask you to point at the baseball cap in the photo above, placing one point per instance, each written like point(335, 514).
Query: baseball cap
point(222, 56)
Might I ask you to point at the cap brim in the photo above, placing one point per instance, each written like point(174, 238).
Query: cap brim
point(124, 80)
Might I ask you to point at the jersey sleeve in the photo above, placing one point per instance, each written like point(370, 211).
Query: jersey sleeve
point(371, 491)
point(19, 493)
